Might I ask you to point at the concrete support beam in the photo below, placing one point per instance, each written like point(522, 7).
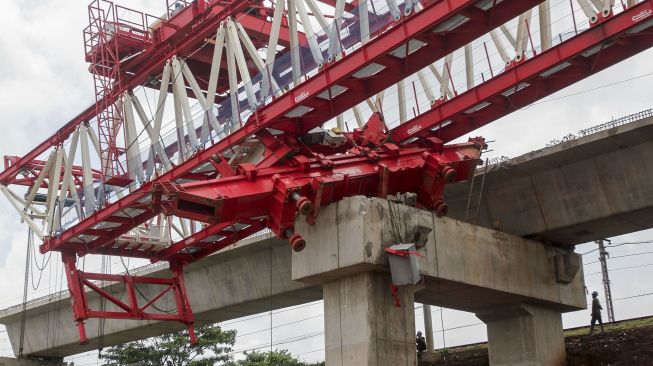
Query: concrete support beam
point(6, 361)
point(525, 335)
point(364, 326)
point(593, 187)
point(463, 267)
point(249, 278)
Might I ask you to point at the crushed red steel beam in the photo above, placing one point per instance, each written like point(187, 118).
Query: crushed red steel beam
point(435, 15)
point(276, 194)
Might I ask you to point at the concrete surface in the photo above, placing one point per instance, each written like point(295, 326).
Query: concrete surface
point(570, 193)
point(364, 326)
point(464, 266)
point(594, 187)
point(524, 335)
point(250, 277)
point(6, 361)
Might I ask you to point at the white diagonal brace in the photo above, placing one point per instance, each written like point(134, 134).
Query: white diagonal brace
point(294, 42)
point(500, 47)
point(134, 162)
point(242, 65)
point(272, 48)
point(545, 25)
point(178, 81)
point(446, 76)
point(40, 178)
point(469, 66)
point(522, 34)
point(179, 125)
point(589, 10)
point(215, 66)
point(35, 228)
point(233, 82)
point(317, 13)
point(401, 96)
point(421, 75)
point(54, 179)
point(87, 175)
point(358, 116)
point(508, 35)
point(68, 168)
point(364, 18)
point(310, 35)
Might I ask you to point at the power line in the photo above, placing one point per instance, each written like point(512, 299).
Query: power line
point(634, 296)
point(620, 244)
point(622, 256)
point(622, 268)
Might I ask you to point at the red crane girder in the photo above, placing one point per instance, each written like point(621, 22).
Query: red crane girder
point(310, 93)
point(293, 178)
point(604, 45)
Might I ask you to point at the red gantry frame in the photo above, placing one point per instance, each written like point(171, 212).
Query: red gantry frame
point(295, 178)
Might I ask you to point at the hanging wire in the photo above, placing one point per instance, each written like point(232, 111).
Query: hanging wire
point(23, 315)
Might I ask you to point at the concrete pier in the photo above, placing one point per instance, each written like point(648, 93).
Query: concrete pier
point(364, 325)
point(463, 267)
point(525, 335)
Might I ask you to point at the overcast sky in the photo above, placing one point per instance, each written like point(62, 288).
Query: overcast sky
point(44, 82)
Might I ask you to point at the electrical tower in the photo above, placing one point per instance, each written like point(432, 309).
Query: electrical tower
point(603, 256)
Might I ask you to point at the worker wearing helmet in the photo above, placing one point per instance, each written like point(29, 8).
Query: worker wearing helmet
point(596, 312)
point(420, 342)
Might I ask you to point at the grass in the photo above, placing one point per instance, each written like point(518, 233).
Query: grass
point(609, 327)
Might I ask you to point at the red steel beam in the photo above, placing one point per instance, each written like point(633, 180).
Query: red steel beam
point(623, 36)
point(609, 43)
point(273, 115)
point(148, 63)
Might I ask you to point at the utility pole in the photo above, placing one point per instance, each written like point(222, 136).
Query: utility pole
point(603, 256)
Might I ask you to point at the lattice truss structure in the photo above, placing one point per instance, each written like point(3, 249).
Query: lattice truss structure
point(221, 118)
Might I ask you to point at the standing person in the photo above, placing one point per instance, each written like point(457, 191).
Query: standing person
point(420, 342)
point(596, 312)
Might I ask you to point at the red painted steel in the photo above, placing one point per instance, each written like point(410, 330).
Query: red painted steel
point(295, 178)
point(79, 281)
point(31, 170)
point(596, 49)
point(340, 72)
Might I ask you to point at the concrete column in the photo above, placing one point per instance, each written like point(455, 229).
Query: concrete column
point(428, 327)
point(525, 335)
point(363, 325)
point(7, 361)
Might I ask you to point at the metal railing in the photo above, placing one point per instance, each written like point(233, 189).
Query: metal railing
point(504, 162)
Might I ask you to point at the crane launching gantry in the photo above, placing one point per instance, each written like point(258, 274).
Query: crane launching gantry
point(249, 144)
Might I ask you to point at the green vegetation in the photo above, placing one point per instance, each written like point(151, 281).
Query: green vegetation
point(276, 358)
point(213, 347)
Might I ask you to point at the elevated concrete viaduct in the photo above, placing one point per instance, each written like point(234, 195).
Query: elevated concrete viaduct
point(464, 267)
point(594, 187)
point(472, 263)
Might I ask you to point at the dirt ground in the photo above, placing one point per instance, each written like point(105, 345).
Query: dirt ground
point(626, 343)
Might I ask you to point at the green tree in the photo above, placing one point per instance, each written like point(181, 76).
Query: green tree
point(276, 358)
point(213, 345)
